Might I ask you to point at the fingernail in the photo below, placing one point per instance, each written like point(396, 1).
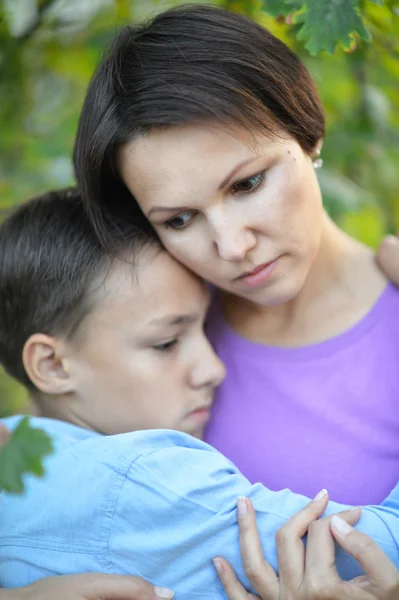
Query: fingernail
point(320, 495)
point(163, 593)
point(242, 507)
point(218, 565)
point(340, 525)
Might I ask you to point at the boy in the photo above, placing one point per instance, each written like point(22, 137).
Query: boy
point(87, 340)
point(110, 344)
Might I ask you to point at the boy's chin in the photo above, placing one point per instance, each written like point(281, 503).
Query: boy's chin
point(198, 433)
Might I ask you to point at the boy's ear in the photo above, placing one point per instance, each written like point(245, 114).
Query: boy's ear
point(45, 364)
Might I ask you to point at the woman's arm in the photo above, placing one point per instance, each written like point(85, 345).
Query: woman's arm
point(158, 505)
point(92, 586)
point(309, 573)
point(182, 501)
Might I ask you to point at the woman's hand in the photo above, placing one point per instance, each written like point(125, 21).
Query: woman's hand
point(4, 434)
point(318, 580)
point(92, 586)
point(388, 258)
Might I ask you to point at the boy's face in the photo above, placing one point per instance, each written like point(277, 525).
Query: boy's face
point(141, 360)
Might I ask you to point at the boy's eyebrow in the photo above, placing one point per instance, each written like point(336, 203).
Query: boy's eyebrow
point(176, 319)
point(166, 209)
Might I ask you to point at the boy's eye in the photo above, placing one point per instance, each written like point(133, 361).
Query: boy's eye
point(165, 346)
point(248, 185)
point(180, 221)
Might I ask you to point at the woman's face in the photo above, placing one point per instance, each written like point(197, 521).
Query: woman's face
point(243, 211)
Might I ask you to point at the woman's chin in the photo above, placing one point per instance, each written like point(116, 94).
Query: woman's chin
point(280, 291)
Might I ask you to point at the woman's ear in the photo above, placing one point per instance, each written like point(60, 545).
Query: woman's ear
point(318, 148)
point(45, 365)
point(315, 155)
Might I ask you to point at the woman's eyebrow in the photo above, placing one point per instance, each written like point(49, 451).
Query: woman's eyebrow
point(234, 170)
point(223, 184)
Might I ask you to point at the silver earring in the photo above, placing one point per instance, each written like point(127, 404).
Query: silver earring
point(317, 161)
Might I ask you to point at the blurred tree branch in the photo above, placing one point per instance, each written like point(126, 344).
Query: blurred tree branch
point(42, 8)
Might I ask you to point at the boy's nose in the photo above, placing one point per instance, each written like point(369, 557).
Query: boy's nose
point(209, 370)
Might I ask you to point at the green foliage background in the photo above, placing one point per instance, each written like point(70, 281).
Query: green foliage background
point(49, 49)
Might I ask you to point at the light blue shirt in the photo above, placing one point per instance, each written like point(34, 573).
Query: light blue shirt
point(158, 504)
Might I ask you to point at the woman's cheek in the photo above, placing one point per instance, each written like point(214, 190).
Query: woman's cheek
point(181, 246)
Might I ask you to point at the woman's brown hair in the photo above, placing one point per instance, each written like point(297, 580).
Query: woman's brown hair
point(194, 63)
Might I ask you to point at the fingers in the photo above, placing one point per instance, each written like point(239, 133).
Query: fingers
point(233, 588)
point(388, 258)
point(376, 565)
point(320, 572)
point(290, 548)
point(95, 586)
point(320, 551)
point(258, 571)
point(4, 434)
point(119, 587)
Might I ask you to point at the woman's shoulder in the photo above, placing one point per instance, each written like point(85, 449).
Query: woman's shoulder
point(367, 297)
point(388, 305)
point(381, 294)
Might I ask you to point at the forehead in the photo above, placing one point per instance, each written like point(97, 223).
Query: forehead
point(187, 141)
point(156, 284)
point(189, 155)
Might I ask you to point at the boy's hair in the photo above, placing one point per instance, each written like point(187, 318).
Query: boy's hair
point(188, 64)
point(49, 257)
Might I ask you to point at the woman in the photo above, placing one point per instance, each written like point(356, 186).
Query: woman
point(175, 108)
point(208, 126)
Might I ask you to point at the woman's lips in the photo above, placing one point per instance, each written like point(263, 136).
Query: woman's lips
point(258, 275)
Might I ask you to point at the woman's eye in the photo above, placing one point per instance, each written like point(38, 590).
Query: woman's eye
point(250, 184)
point(165, 346)
point(180, 221)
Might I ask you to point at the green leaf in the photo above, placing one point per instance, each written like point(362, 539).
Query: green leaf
point(379, 2)
point(24, 453)
point(326, 23)
point(276, 8)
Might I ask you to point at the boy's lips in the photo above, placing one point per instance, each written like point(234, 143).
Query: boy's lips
point(201, 413)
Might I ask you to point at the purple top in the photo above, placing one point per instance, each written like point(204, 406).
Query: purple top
point(321, 416)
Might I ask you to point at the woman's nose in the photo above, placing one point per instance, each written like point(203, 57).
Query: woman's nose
point(233, 240)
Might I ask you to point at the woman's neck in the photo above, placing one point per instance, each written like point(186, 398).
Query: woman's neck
point(341, 287)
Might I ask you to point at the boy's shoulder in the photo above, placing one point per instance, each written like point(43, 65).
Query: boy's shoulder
point(83, 479)
point(70, 439)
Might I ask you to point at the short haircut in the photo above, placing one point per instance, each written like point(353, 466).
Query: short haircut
point(193, 63)
point(49, 258)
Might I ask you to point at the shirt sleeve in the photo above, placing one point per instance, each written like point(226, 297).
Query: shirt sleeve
point(177, 510)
